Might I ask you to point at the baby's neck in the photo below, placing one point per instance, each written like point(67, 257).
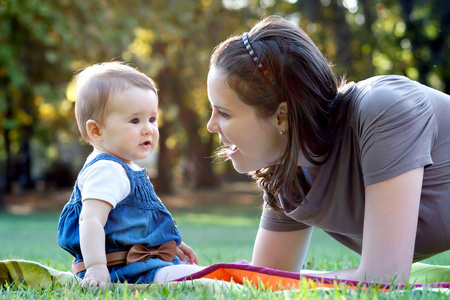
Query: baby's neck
point(97, 151)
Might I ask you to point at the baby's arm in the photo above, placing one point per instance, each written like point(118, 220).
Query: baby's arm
point(93, 217)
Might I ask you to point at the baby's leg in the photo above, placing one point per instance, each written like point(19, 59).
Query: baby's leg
point(166, 274)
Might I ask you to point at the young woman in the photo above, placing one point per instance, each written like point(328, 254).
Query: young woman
point(367, 162)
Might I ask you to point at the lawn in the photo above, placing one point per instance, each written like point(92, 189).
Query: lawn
point(218, 233)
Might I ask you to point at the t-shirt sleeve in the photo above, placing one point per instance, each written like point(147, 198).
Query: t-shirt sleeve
point(396, 129)
point(276, 220)
point(104, 180)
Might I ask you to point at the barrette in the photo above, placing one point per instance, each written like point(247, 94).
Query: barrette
point(256, 59)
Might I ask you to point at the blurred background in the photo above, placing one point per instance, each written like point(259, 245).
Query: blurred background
point(43, 43)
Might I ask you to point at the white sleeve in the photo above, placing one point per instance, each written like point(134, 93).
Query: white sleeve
point(104, 180)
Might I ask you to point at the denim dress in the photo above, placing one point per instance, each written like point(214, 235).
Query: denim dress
point(140, 218)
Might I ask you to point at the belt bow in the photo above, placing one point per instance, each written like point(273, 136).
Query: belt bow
point(138, 253)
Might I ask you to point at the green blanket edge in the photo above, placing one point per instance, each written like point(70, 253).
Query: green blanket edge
point(37, 276)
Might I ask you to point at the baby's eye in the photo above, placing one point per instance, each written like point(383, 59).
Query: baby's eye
point(152, 120)
point(135, 121)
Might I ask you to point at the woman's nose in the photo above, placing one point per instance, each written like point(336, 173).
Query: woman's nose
point(212, 125)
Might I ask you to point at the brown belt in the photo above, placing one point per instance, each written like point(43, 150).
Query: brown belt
point(137, 253)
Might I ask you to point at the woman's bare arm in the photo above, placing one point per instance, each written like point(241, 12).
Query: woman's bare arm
point(390, 227)
point(285, 250)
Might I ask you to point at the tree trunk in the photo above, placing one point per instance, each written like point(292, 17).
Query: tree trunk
point(201, 175)
point(198, 163)
point(418, 42)
point(6, 187)
point(342, 36)
point(440, 48)
point(8, 162)
point(163, 182)
point(369, 18)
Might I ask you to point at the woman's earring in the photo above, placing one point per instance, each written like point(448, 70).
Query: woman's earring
point(281, 132)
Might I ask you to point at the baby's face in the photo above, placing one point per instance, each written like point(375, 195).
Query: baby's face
point(130, 131)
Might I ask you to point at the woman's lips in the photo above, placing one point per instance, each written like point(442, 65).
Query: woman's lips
point(233, 149)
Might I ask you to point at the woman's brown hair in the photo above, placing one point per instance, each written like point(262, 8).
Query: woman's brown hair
point(304, 79)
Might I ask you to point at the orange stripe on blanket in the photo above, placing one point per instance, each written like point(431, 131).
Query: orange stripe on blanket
point(281, 280)
point(263, 280)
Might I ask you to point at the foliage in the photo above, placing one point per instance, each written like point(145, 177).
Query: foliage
point(42, 43)
point(38, 55)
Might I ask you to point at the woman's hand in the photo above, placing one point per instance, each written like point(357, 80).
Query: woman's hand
point(184, 252)
point(96, 276)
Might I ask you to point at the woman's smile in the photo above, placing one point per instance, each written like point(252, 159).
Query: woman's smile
point(232, 150)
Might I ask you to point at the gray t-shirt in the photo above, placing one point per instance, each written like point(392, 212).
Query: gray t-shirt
point(394, 125)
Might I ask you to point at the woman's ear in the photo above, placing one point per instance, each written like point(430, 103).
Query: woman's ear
point(282, 117)
point(93, 130)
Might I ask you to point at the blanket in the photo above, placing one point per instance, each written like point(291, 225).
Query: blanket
point(421, 275)
point(38, 276)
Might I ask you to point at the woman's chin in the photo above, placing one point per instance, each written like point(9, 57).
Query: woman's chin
point(242, 169)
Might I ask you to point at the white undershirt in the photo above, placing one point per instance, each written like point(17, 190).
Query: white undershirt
point(104, 180)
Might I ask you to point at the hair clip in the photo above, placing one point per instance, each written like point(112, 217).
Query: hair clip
point(256, 59)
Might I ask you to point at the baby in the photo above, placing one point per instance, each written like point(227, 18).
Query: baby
point(115, 225)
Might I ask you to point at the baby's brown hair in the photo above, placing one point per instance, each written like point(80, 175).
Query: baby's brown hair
point(96, 84)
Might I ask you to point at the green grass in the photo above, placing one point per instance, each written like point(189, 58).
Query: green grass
point(217, 236)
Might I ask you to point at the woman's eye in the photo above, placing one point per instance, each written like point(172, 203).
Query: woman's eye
point(223, 115)
point(135, 121)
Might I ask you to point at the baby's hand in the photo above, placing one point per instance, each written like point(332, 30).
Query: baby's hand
point(184, 252)
point(96, 276)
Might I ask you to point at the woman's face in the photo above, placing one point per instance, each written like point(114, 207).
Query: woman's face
point(254, 142)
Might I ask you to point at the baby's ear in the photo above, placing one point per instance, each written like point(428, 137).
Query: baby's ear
point(93, 130)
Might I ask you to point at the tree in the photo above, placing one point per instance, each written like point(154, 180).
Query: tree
point(172, 41)
point(174, 46)
point(40, 50)
point(427, 32)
